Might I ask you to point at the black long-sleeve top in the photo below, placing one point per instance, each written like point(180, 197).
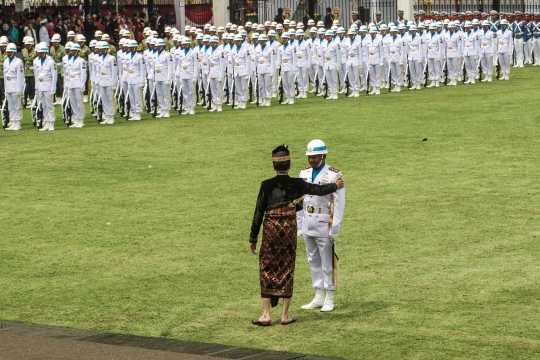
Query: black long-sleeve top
point(282, 190)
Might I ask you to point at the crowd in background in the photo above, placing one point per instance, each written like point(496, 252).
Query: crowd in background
point(42, 27)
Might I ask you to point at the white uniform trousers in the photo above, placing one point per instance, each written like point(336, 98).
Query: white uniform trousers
point(15, 106)
point(77, 105)
point(536, 50)
point(331, 80)
point(375, 75)
point(384, 70)
point(504, 61)
point(364, 74)
point(46, 100)
point(416, 67)
point(107, 96)
point(163, 92)
point(312, 74)
point(151, 86)
point(341, 72)
point(302, 79)
point(319, 254)
point(135, 97)
point(434, 69)
point(188, 93)
point(495, 51)
point(354, 80)
point(396, 72)
point(486, 63)
point(452, 65)
point(288, 83)
point(215, 87)
point(527, 48)
point(274, 82)
point(518, 45)
point(240, 88)
point(470, 66)
point(265, 87)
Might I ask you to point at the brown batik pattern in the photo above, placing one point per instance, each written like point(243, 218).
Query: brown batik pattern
point(277, 256)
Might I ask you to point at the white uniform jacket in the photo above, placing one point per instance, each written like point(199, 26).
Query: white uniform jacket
point(216, 63)
point(435, 46)
point(397, 50)
point(45, 74)
point(487, 42)
point(415, 48)
point(240, 59)
point(264, 60)
point(331, 55)
point(453, 45)
point(163, 66)
point(355, 53)
point(13, 75)
point(314, 217)
point(136, 69)
point(375, 49)
point(286, 57)
point(75, 73)
point(506, 43)
point(108, 71)
point(303, 54)
point(189, 64)
point(469, 44)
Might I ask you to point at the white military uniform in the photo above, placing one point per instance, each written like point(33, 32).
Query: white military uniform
point(14, 86)
point(415, 51)
point(163, 75)
point(46, 76)
point(303, 61)
point(216, 73)
point(287, 60)
point(453, 53)
point(188, 75)
point(74, 80)
point(505, 50)
point(375, 59)
point(313, 219)
point(331, 65)
point(122, 58)
point(108, 77)
point(435, 49)
point(240, 64)
point(136, 77)
point(397, 57)
point(264, 62)
point(470, 52)
point(487, 46)
point(354, 56)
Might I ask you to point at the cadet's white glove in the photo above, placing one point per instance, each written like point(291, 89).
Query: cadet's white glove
point(53, 93)
point(333, 237)
point(141, 86)
point(381, 64)
point(220, 79)
point(278, 67)
point(169, 83)
point(400, 64)
point(82, 90)
point(295, 73)
point(194, 80)
point(299, 233)
point(114, 88)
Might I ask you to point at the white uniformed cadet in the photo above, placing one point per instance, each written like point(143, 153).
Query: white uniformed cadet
point(108, 77)
point(319, 53)
point(163, 75)
point(92, 65)
point(216, 73)
point(203, 63)
point(363, 39)
point(286, 61)
point(470, 52)
point(303, 62)
point(375, 61)
point(434, 44)
point(415, 51)
point(505, 49)
point(121, 60)
point(14, 86)
point(74, 80)
point(188, 75)
point(344, 47)
point(331, 63)
point(453, 53)
point(354, 59)
point(46, 76)
point(314, 221)
point(265, 65)
point(241, 66)
point(148, 55)
point(397, 56)
point(136, 77)
point(486, 50)
point(386, 40)
point(274, 45)
point(313, 43)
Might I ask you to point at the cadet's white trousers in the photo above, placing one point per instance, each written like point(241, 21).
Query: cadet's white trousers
point(341, 72)
point(375, 75)
point(125, 87)
point(433, 69)
point(302, 79)
point(384, 71)
point(518, 45)
point(486, 63)
point(107, 97)
point(265, 87)
point(527, 46)
point(352, 74)
point(470, 66)
point(288, 83)
point(319, 254)
point(135, 97)
point(536, 50)
point(240, 88)
point(215, 87)
point(416, 67)
point(275, 82)
point(77, 105)
point(396, 73)
point(331, 80)
point(188, 93)
point(46, 100)
point(364, 74)
point(504, 61)
point(15, 106)
point(312, 74)
point(452, 65)
point(163, 92)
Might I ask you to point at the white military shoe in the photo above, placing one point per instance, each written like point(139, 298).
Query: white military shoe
point(328, 302)
point(317, 302)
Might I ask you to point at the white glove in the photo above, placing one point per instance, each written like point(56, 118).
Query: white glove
point(53, 93)
point(381, 64)
point(295, 73)
point(194, 80)
point(400, 64)
point(476, 58)
point(299, 233)
point(114, 88)
point(333, 237)
point(220, 79)
point(278, 67)
point(169, 83)
point(141, 86)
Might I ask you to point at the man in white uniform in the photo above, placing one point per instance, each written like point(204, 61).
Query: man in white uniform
point(74, 80)
point(136, 75)
point(46, 76)
point(14, 86)
point(319, 224)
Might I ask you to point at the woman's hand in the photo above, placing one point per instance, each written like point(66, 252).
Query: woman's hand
point(339, 182)
point(253, 248)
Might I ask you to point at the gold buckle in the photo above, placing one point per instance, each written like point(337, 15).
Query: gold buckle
point(310, 209)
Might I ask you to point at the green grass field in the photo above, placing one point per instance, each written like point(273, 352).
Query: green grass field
point(439, 246)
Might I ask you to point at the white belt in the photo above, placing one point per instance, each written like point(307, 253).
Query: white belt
point(316, 210)
point(47, 79)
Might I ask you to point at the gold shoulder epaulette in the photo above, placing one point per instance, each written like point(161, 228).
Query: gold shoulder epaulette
point(307, 167)
point(333, 169)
